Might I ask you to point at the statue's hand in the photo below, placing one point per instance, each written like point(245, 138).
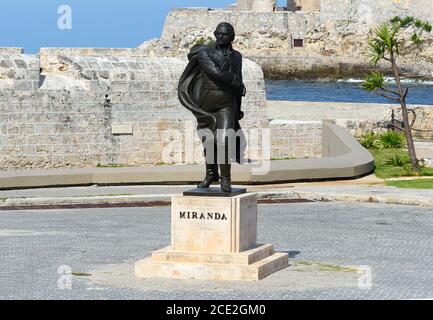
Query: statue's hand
point(243, 90)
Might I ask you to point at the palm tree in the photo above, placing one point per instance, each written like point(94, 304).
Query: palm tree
point(385, 45)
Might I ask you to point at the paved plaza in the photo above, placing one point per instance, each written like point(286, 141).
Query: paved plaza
point(337, 251)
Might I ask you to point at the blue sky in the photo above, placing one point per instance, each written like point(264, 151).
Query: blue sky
point(32, 24)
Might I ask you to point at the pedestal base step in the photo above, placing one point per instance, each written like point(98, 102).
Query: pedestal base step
point(262, 251)
point(254, 264)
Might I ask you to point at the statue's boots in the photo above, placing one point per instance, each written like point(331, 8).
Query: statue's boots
point(226, 181)
point(211, 176)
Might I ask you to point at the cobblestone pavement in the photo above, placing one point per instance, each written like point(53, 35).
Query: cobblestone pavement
point(101, 245)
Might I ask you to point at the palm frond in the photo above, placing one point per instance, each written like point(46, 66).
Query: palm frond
point(376, 51)
point(383, 42)
point(383, 34)
point(373, 81)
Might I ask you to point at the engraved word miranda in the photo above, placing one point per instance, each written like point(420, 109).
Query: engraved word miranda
point(202, 216)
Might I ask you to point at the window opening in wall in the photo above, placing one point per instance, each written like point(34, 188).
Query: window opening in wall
point(298, 43)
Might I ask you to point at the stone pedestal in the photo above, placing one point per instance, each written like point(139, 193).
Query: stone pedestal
point(213, 238)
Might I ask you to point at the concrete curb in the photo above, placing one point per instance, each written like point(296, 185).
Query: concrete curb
point(262, 195)
point(44, 201)
point(386, 199)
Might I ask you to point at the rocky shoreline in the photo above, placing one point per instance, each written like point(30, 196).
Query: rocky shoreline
point(332, 68)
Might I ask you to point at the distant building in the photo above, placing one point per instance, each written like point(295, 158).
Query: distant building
point(256, 5)
point(272, 5)
point(304, 5)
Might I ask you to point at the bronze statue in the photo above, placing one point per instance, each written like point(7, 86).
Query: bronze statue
point(211, 87)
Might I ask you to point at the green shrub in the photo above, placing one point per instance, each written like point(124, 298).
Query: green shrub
point(369, 140)
point(385, 171)
point(204, 42)
point(397, 160)
point(391, 140)
point(408, 172)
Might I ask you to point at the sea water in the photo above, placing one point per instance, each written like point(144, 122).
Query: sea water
point(343, 91)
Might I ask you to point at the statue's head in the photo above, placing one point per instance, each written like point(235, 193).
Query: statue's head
point(224, 34)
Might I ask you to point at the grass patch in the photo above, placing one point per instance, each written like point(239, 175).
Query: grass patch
point(288, 158)
point(311, 267)
point(412, 184)
point(305, 263)
point(331, 267)
point(385, 169)
point(81, 274)
point(113, 195)
point(162, 163)
point(111, 165)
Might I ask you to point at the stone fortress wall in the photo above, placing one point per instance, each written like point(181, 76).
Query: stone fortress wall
point(367, 12)
point(272, 5)
point(326, 38)
point(84, 107)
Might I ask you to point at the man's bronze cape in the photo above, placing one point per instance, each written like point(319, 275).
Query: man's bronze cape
point(189, 88)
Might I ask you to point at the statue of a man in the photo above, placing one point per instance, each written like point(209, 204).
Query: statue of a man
point(212, 88)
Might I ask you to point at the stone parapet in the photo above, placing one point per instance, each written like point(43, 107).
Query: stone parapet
point(103, 106)
point(357, 118)
point(18, 72)
point(291, 139)
point(11, 50)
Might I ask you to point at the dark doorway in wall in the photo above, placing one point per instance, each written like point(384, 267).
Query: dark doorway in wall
point(298, 43)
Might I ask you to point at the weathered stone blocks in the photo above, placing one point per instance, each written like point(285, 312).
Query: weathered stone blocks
point(82, 92)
